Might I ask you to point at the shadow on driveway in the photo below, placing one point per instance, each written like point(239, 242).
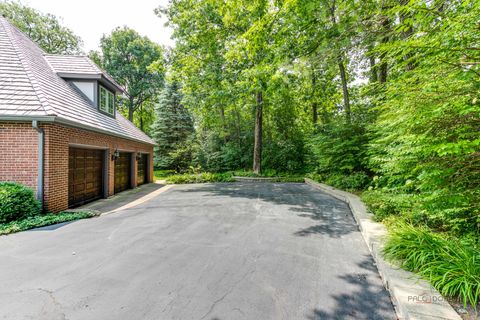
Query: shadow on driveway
point(333, 217)
point(367, 300)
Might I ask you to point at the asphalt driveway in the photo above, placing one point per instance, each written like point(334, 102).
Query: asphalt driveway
point(224, 251)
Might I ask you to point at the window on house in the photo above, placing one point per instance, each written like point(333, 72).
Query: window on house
point(106, 101)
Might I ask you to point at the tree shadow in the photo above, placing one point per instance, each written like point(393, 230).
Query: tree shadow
point(367, 298)
point(334, 216)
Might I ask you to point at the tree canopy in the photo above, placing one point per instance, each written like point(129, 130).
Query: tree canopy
point(45, 29)
point(372, 93)
point(137, 63)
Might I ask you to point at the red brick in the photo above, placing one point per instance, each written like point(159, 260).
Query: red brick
point(19, 157)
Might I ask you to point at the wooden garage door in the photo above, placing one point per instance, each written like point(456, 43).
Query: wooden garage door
point(142, 169)
point(85, 176)
point(122, 172)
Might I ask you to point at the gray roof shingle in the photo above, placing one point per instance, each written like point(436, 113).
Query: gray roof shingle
point(30, 86)
point(78, 65)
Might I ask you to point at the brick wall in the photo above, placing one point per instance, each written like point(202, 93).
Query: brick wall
point(57, 142)
point(18, 153)
point(18, 157)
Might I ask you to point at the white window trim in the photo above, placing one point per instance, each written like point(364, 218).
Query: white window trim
point(109, 96)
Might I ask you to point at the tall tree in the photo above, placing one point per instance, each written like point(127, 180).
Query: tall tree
point(45, 29)
point(136, 63)
point(171, 129)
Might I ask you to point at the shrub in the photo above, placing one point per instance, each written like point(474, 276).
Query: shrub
point(352, 181)
point(384, 204)
point(204, 177)
point(162, 174)
point(17, 202)
point(450, 264)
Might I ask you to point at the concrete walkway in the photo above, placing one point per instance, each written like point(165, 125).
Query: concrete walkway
point(223, 251)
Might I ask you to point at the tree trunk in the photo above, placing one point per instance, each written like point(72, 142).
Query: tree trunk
point(130, 110)
point(373, 66)
point(346, 98)
point(314, 112)
point(406, 33)
point(224, 123)
point(257, 149)
point(383, 67)
point(314, 102)
point(141, 118)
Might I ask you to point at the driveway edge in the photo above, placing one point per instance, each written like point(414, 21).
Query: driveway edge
point(412, 297)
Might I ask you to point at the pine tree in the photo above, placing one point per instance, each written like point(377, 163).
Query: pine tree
point(172, 129)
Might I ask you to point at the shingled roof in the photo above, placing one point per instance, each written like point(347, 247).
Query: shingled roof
point(31, 88)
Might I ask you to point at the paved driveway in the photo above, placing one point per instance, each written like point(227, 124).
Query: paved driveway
point(224, 251)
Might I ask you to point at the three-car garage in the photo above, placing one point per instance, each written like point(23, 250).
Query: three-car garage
point(88, 172)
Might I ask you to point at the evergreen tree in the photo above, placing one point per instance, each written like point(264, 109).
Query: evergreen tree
point(172, 130)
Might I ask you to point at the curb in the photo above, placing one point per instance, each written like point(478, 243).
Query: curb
point(412, 297)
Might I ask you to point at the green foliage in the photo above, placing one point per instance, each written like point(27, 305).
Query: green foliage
point(45, 29)
point(384, 204)
point(271, 173)
point(426, 135)
point(172, 131)
point(204, 177)
point(42, 220)
point(353, 181)
point(162, 174)
point(339, 149)
point(451, 265)
point(16, 202)
point(137, 64)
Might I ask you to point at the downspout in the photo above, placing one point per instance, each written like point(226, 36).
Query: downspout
point(40, 174)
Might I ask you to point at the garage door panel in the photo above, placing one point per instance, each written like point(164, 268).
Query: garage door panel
point(122, 172)
point(85, 176)
point(142, 165)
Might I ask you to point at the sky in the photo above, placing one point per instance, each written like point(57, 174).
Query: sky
point(90, 19)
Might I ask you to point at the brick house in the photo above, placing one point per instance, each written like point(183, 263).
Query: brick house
point(60, 133)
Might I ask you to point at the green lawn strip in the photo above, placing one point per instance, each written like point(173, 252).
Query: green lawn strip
point(42, 220)
point(163, 174)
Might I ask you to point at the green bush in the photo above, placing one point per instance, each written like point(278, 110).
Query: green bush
point(16, 202)
point(384, 204)
point(162, 174)
point(353, 182)
point(204, 177)
point(451, 265)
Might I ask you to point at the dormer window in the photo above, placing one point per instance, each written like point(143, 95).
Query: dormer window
point(106, 102)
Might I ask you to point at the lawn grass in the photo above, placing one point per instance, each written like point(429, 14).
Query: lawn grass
point(163, 174)
point(42, 220)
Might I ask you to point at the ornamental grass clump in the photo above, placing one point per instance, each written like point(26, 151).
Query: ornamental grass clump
point(452, 265)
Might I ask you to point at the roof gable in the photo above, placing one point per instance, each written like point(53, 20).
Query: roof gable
point(30, 86)
point(80, 67)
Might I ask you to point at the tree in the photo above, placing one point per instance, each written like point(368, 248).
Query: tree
point(136, 63)
point(172, 129)
point(45, 29)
